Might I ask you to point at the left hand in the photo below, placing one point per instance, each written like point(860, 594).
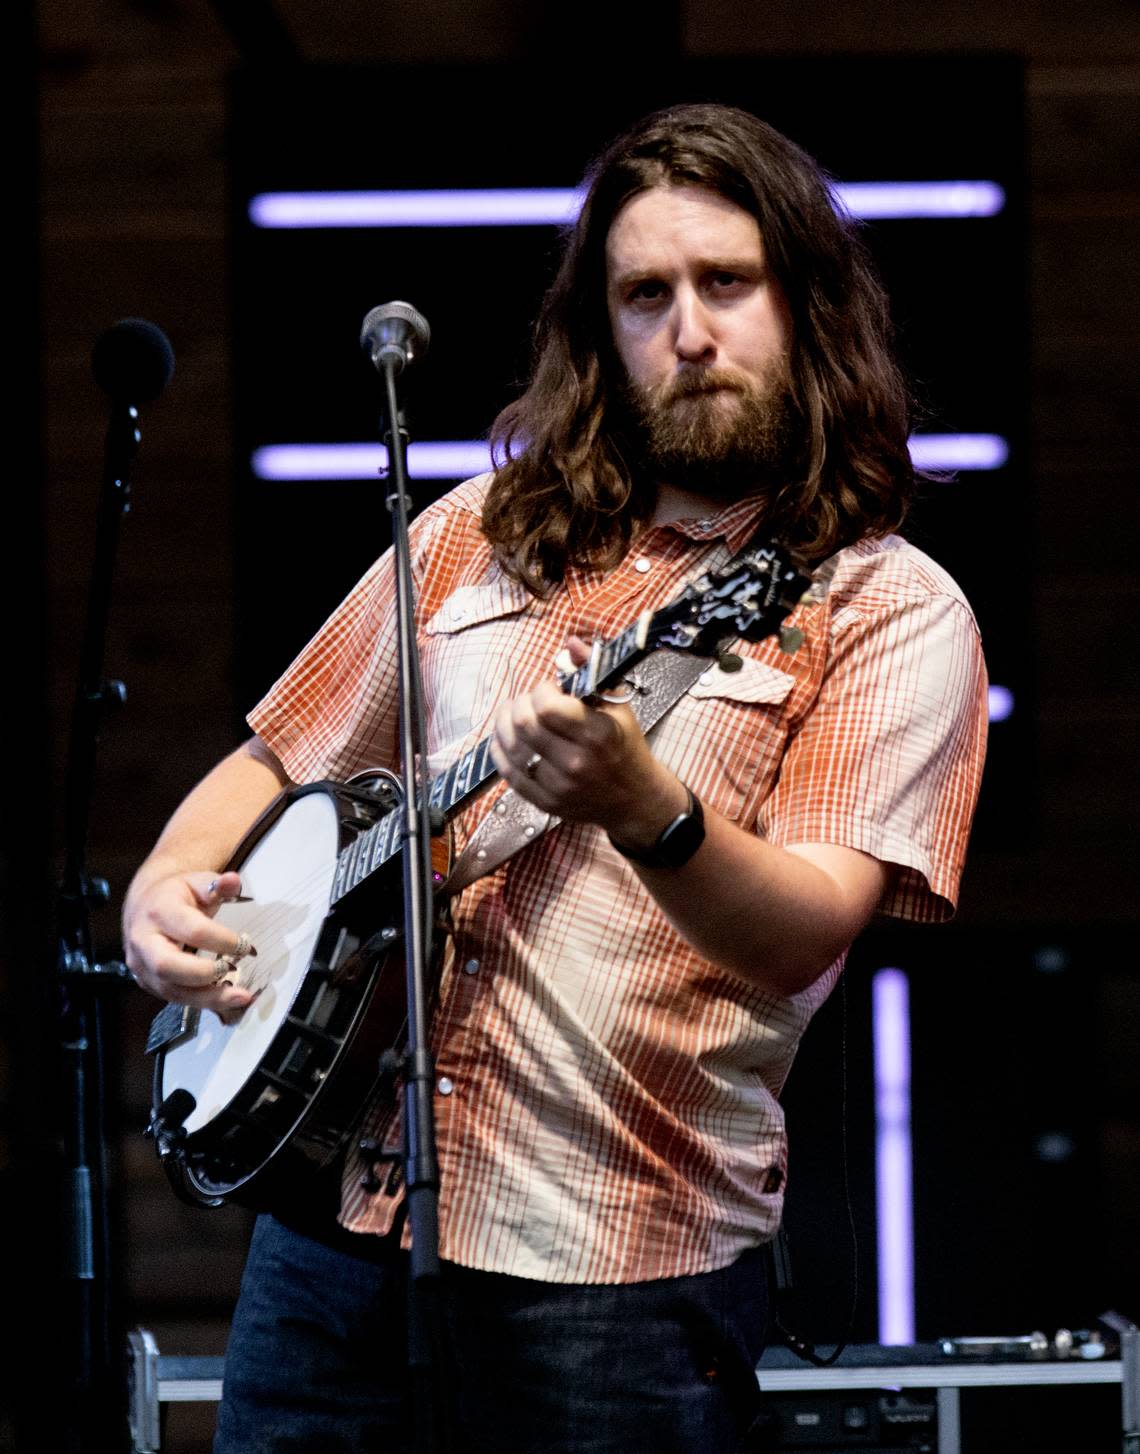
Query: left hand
point(593, 762)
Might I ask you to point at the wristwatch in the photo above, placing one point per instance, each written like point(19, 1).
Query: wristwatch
point(679, 840)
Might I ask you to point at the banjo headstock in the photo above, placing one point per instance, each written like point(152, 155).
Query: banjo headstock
point(748, 599)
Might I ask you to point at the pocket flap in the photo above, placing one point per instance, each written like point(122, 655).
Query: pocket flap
point(756, 681)
point(470, 605)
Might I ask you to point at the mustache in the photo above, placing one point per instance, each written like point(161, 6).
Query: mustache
point(693, 383)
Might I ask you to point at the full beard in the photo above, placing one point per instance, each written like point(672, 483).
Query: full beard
point(716, 432)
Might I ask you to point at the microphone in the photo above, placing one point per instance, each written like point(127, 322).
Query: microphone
point(395, 333)
point(133, 361)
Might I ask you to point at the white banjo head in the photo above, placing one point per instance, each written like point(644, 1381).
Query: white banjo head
point(288, 876)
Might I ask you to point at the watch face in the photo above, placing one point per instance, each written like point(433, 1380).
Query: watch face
point(680, 841)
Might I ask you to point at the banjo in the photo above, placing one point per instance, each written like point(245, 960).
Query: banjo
point(237, 1107)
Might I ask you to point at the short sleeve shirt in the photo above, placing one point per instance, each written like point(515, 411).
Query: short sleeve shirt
point(608, 1103)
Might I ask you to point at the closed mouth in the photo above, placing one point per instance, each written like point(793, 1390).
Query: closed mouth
point(703, 391)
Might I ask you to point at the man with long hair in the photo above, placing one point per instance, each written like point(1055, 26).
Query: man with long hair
point(619, 1003)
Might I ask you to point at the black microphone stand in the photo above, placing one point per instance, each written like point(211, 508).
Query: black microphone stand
point(98, 1414)
point(421, 1167)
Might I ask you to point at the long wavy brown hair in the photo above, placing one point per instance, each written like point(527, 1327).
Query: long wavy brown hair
point(566, 488)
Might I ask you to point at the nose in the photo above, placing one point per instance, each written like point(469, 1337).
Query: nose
point(695, 341)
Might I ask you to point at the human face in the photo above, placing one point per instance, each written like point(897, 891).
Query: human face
point(702, 329)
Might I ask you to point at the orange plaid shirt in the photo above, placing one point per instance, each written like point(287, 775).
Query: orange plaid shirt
point(607, 1099)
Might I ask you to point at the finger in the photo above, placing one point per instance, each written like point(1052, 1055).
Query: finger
point(505, 733)
point(226, 1000)
point(223, 994)
point(609, 722)
point(579, 650)
point(543, 794)
point(214, 889)
point(197, 931)
point(553, 714)
point(560, 731)
point(170, 968)
point(168, 983)
point(512, 765)
point(595, 727)
point(520, 731)
point(185, 924)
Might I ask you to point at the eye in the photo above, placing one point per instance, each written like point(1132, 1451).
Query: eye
point(648, 290)
point(724, 281)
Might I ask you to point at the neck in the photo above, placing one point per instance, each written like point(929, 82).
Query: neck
point(676, 504)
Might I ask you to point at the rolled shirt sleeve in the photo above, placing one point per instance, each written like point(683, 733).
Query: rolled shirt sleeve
point(889, 759)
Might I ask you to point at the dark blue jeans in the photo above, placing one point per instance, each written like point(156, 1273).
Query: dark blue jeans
point(318, 1358)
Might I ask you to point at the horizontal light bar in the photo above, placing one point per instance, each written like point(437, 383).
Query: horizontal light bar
point(958, 451)
point(459, 459)
point(484, 207)
point(921, 199)
point(557, 206)
point(442, 460)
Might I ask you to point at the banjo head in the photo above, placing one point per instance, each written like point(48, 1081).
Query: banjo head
point(288, 877)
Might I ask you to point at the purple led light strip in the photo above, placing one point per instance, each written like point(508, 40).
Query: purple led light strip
point(958, 451)
point(890, 1021)
point(557, 206)
point(441, 459)
point(461, 458)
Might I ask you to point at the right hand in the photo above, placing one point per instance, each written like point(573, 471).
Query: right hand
point(165, 921)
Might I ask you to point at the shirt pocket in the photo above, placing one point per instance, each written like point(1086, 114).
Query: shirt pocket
point(725, 738)
point(469, 659)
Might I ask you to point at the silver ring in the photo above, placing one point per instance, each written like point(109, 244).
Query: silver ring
point(530, 767)
point(212, 887)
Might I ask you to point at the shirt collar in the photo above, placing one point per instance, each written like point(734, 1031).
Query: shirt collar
point(735, 523)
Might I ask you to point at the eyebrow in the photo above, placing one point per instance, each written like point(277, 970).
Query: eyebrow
point(704, 265)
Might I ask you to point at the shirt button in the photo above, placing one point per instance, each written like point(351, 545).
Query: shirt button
point(641, 565)
point(471, 967)
point(706, 676)
point(445, 1085)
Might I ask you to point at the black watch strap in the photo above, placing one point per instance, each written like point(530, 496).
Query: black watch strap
point(679, 840)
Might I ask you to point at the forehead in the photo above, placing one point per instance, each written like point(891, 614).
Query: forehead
point(669, 225)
